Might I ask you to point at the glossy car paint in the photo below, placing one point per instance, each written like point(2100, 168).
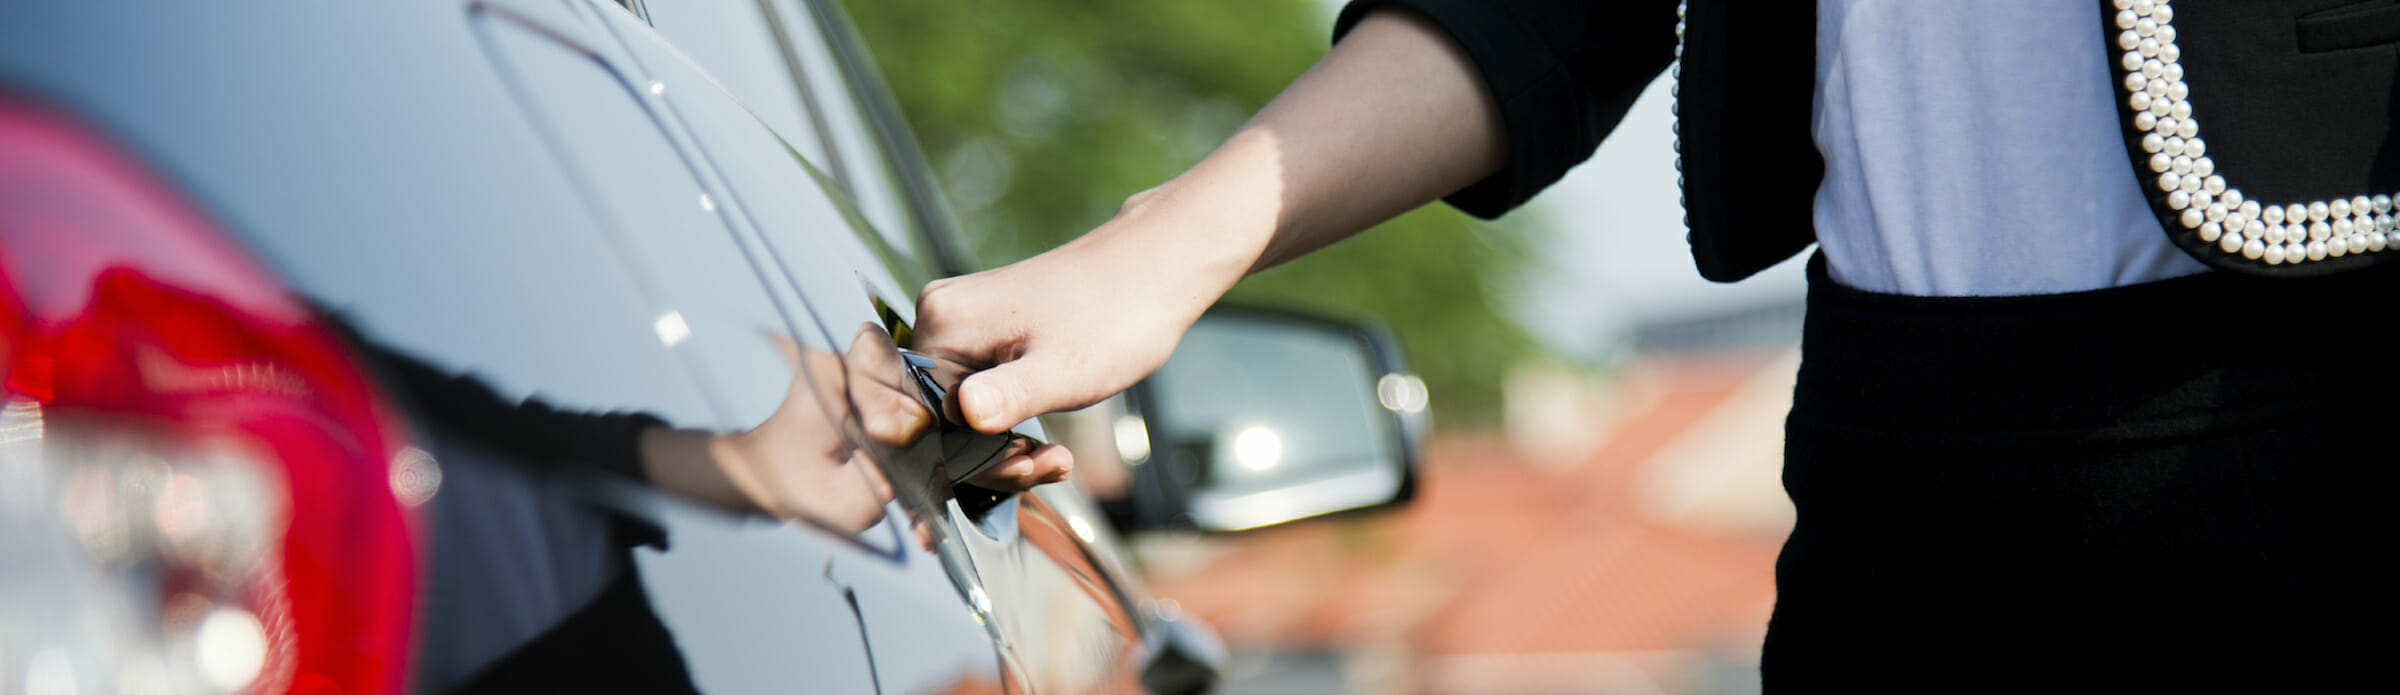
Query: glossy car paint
point(557, 200)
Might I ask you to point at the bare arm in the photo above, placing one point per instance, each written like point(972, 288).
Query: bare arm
point(1392, 118)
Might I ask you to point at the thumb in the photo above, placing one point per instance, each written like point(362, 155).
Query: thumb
point(996, 399)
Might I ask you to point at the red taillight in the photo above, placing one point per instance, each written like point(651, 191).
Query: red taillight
point(191, 425)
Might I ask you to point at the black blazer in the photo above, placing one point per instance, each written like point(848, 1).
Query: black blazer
point(2297, 98)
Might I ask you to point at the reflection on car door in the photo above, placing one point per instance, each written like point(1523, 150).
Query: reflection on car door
point(1024, 567)
point(740, 598)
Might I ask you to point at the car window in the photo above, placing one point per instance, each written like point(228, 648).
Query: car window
point(732, 39)
point(869, 176)
point(773, 58)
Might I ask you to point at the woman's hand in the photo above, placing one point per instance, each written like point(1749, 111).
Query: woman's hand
point(1079, 323)
point(1395, 116)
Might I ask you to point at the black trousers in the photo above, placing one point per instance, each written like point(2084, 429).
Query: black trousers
point(2176, 485)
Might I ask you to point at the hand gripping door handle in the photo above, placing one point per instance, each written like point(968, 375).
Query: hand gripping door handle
point(965, 451)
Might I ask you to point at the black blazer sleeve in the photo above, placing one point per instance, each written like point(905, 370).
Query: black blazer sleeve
point(1563, 72)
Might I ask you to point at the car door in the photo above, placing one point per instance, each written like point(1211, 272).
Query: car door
point(743, 598)
point(1026, 564)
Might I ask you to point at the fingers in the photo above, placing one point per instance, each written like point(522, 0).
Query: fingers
point(951, 322)
point(1002, 396)
point(857, 512)
point(996, 399)
point(888, 407)
point(1048, 463)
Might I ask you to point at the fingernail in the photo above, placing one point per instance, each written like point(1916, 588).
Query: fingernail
point(981, 402)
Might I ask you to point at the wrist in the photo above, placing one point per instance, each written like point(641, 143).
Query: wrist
point(1216, 221)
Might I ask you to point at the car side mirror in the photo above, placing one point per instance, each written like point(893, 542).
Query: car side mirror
point(1262, 417)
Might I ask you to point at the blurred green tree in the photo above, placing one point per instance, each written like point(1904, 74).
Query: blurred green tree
point(1041, 116)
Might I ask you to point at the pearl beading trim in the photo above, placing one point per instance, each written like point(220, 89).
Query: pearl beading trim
point(1675, 113)
point(2276, 234)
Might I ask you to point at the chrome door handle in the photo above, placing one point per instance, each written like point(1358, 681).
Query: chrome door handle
point(965, 451)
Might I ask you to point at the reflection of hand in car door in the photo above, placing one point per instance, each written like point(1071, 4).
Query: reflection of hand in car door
point(881, 389)
point(796, 464)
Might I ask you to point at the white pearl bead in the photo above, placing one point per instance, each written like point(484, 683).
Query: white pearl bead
point(2182, 110)
point(2318, 211)
point(2148, 47)
point(2132, 61)
point(2257, 229)
point(2166, 124)
point(2131, 41)
point(2151, 69)
point(2194, 146)
point(2383, 223)
point(2216, 212)
point(2342, 227)
point(2140, 101)
point(2249, 207)
point(2145, 121)
point(2211, 232)
point(2316, 250)
point(2179, 199)
point(2202, 166)
point(2275, 234)
point(2192, 218)
point(2317, 231)
point(2202, 200)
point(2142, 7)
point(2164, 14)
point(2235, 244)
point(2252, 250)
point(2174, 71)
point(2359, 204)
point(2236, 220)
point(2183, 165)
point(2214, 184)
point(2185, 126)
point(2166, 37)
point(2170, 52)
point(2169, 181)
point(2338, 208)
point(2128, 20)
point(2154, 142)
point(2161, 162)
point(2337, 247)
point(2273, 215)
point(2296, 212)
point(2376, 241)
point(2274, 254)
point(2135, 82)
point(2383, 204)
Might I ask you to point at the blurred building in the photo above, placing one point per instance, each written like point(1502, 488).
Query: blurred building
point(1617, 537)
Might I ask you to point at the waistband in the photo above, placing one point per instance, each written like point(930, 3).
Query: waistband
point(2211, 352)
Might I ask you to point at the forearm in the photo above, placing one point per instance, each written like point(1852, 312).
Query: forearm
point(1393, 117)
point(692, 463)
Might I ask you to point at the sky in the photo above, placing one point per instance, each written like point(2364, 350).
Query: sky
point(1622, 257)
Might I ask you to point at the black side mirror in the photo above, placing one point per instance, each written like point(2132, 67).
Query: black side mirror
point(1263, 417)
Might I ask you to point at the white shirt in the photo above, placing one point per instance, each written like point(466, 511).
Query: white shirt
point(1972, 148)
